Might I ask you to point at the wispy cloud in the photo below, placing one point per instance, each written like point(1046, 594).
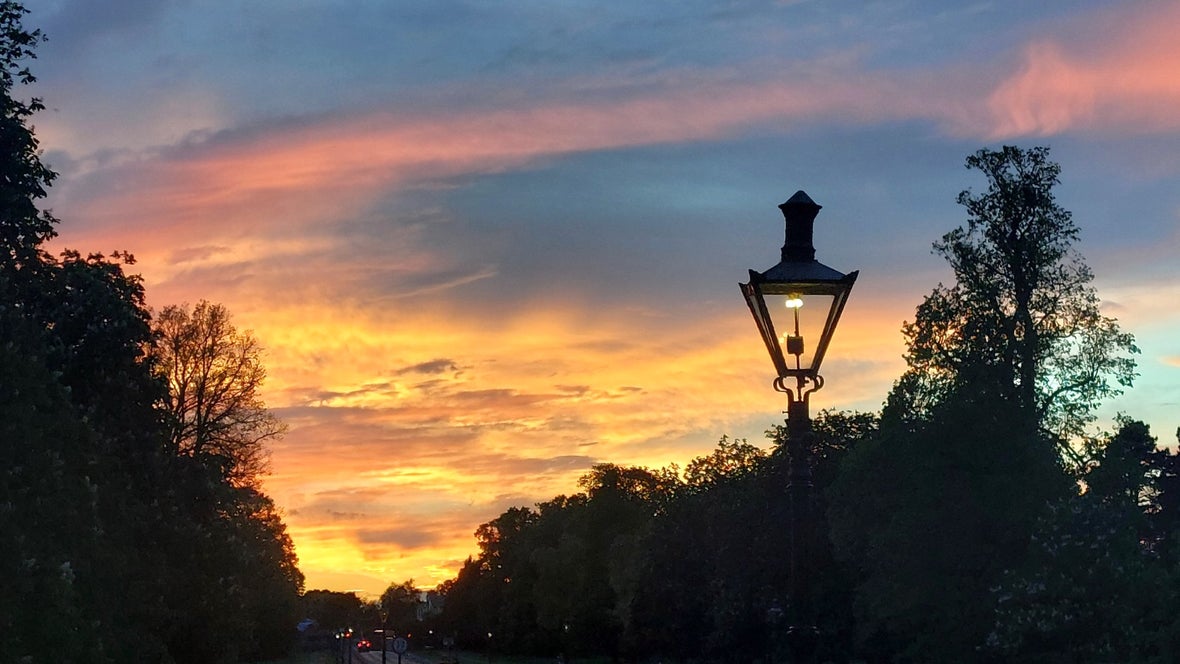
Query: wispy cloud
point(1120, 75)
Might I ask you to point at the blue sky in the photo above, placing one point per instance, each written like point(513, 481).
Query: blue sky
point(489, 244)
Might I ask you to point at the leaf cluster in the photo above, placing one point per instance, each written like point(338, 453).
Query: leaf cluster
point(1101, 576)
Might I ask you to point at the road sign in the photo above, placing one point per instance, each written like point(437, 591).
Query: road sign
point(400, 646)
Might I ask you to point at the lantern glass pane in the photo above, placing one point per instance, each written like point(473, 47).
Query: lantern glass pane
point(799, 321)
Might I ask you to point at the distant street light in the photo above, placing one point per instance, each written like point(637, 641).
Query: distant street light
point(796, 305)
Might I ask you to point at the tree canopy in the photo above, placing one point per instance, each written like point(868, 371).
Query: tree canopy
point(214, 374)
point(645, 562)
point(1021, 316)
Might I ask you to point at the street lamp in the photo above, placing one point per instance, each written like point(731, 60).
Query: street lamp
point(796, 305)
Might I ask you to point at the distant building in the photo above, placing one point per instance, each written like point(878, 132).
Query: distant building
point(430, 604)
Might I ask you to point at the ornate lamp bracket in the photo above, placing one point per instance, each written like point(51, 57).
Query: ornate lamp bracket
point(802, 390)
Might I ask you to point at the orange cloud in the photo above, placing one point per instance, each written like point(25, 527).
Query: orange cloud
point(402, 442)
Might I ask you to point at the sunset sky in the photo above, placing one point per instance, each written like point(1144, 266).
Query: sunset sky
point(489, 244)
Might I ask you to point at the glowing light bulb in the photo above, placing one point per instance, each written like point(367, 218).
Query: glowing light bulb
point(793, 343)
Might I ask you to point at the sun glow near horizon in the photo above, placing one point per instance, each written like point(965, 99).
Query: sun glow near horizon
point(433, 434)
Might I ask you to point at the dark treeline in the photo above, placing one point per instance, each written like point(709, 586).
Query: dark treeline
point(131, 527)
point(650, 565)
point(646, 563)
point(972, 520)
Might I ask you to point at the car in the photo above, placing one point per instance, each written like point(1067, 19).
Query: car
point(364, 645)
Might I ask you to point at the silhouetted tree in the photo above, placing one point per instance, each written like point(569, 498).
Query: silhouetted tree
point(1005, 368)
point(333, 610)
point(214, 374)
point(115, 548)
point(74, 429)
point(49, 522)
point(266, 581)
point(930, 514)
point(730, 461)
point(1021, 313)
point(1164, 509)
point(642, 563)
point(715, 563)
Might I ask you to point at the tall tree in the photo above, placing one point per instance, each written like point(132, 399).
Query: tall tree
point(1005, 369)
point(74, 435)
point(214, 375)
point(1021, 314)
point(49, 522)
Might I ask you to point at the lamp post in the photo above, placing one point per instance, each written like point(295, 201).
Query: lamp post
point(796, 305)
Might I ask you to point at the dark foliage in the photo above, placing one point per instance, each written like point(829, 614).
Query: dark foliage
point(978, 437)
point(646, 563)
point(1099, 583)
point(930, 513)
point(115, 548)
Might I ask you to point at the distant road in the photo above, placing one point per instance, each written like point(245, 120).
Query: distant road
point(374, 657)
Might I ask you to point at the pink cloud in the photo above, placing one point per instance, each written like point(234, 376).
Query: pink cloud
point(321, 171)
point(250, 213)
point(324, 170)
point(292, 180)
point(1120, 72)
